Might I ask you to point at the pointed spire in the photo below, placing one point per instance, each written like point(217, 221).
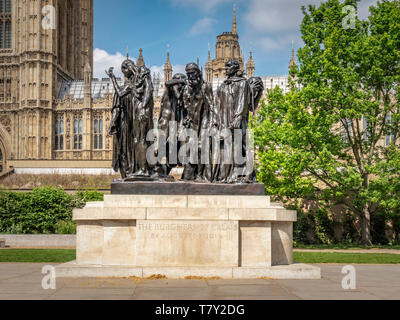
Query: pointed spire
point(168, 67)
point(127, 52)
point(168, 60)
point(293, 58)
point(208, 68)
point(140, 61)
point(234, 25)
point(250, 66)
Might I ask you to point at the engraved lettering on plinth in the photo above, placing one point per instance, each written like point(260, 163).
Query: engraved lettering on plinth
point(187, 243)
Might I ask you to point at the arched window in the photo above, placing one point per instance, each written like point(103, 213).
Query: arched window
point(98, 132)
point(59, 134)
point(8, 35)
point(78, 134)
point(1, 161)
point(5, 24)
point(8, 6)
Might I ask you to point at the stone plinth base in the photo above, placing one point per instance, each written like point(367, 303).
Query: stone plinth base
point(293, 271)
point(185, 235)
point(186, 188)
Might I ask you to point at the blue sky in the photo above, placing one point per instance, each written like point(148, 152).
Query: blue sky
point(189, 25)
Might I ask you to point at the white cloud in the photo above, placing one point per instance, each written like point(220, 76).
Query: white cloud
point(270, 43)
point(102, 60)
point(273, 24)
point(202, 26)
point(178, 68)
point(203, 5)
point(275, 16)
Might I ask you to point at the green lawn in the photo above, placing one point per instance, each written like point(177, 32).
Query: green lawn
point(65, 255)
point(339, 257)
point(37, 255)
point(344, 246)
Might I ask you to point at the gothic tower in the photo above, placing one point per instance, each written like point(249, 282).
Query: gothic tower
point(227, 48)
point(140, 60)
point(209, 74)
point(292, 62)
point(167, 68)
point(42, 43)
point(250, 66)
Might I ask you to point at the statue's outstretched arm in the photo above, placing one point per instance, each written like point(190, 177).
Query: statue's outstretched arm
point(120, 91)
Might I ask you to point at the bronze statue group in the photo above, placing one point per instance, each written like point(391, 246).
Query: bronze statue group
point(188, 105)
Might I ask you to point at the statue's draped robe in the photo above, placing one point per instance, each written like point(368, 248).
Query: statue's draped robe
point(199, 106)
point(143, 104)
point(171, 110)
point(233, 102)
point(122, 143)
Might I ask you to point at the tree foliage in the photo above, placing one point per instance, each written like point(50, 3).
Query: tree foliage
point(326, 140)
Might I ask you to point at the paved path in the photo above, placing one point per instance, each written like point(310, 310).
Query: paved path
point(23, 281)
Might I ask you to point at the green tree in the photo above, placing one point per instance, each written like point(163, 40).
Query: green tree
point(325, 140)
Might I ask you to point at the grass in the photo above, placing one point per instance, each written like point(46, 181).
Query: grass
point(344, 246)
point(341, 257)
point(66, 255)
point(37, 255)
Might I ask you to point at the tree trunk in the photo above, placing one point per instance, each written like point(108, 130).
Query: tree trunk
point(366, 226)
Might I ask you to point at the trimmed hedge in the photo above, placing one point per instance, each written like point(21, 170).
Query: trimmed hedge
point(45, 210)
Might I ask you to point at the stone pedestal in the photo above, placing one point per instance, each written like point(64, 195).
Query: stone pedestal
point(185, 235)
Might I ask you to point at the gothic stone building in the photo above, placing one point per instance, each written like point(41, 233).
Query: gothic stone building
point(53, 114)
point(45, 44)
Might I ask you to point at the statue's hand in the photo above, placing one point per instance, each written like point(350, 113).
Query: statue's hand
point(110, 72)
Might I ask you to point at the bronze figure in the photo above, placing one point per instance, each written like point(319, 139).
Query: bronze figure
point(121, 122)
point(187, 105)
point(142, 122)
point(132, 118)
point(198, 106)
point(172, 111)
point(233, 103)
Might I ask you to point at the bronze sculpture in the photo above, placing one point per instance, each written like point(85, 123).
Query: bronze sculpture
point(198, 105)
point(132, 116)
point(121, 122)
point(233, 103)
point(142, 122)
point(188, 104)
point(172, 112)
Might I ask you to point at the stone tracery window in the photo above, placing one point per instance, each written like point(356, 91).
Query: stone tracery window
point(78, 133)
point(59, 134)
point(5, 24)
point(98, 132)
